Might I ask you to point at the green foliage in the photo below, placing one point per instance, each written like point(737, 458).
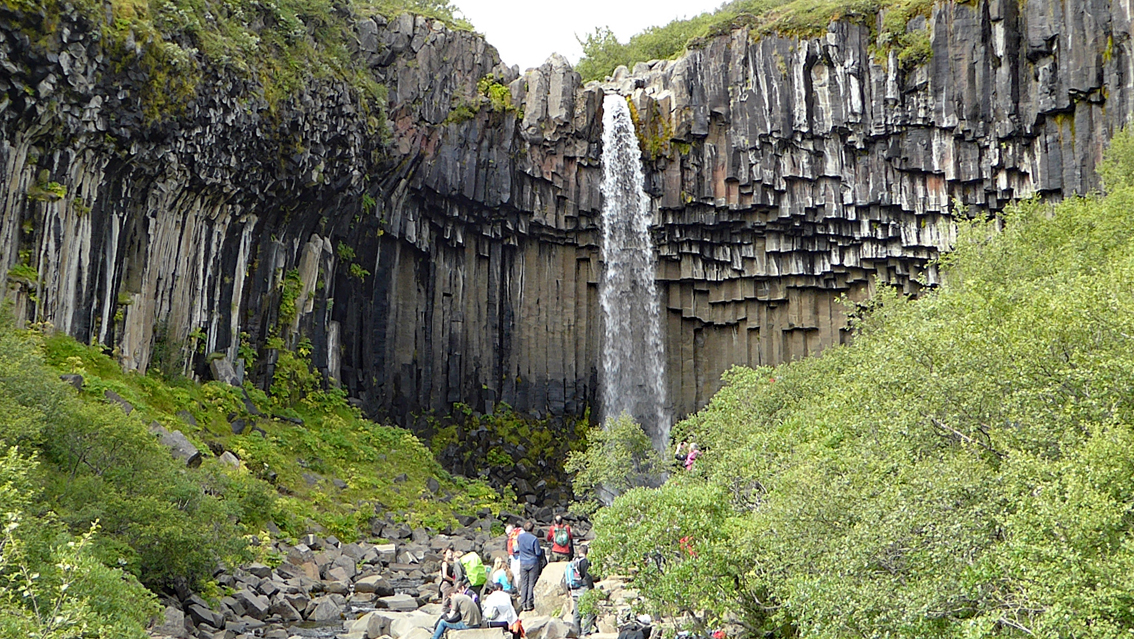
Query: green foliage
point(345, 252)
point(23, 273)
point(358, 272)
point(602, 52)
point(618, 456)
point(965, 468)
point(290, 287)
point(51, 583)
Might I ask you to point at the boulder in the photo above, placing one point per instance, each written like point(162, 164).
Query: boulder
point(373, 624)
point(200, 614)
point(540, 627)
point(477, 633)
point(397, 602)
point(172, 624)
point(228, 459)
point(258, 569)
point(115, 398)
point(551, 596)
point(73, 379)
point(376, 584)
point(403, 623)
point(324, 609)
point(255, 606)
point(287, 612)
point(177, 444)
point(419, 633)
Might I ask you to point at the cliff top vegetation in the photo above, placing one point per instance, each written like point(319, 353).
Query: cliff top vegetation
point(964, 468)
point(282, 45)
point(602, 52)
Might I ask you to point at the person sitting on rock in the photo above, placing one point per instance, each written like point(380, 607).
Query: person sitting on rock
point(497, 610)
point(461, 613)
point(500, 575)
point(562, 540)
point(452, 572)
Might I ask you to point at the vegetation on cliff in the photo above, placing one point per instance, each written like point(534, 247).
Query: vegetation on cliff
point(964, 469)
point(91, 499)
point(888, 19)
point(281, 46)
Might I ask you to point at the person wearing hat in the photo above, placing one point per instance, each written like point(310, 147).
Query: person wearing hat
point(562, 540)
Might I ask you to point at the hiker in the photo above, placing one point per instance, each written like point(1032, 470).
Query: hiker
point(513, 554)
point(460, 613)
point(680, 455)
point(452, 572)
point(531, 555)
point(694, 453)
point(497, 610)
point(500, 575)
point(577, 577)
point(562, 541)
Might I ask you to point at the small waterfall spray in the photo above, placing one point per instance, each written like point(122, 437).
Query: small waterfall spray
point(633, 362)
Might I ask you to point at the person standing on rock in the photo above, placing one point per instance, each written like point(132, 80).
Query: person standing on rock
point(580, 581)
point(562, 540)
point(452, 572)
point(461, 613)
point(513, 554)
point(529, 550)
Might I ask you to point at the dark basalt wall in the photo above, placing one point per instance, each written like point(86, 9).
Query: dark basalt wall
point(785, 173)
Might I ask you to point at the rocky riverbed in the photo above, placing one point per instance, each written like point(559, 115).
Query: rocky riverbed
point(388, 588)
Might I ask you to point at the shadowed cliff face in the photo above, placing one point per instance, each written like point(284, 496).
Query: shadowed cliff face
point(450, 254)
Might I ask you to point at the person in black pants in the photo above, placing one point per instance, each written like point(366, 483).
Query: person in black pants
point(530, 565)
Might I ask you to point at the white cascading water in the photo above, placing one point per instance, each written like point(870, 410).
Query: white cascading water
point(633, 362)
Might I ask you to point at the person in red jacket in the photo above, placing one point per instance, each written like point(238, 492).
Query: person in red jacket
point(562, 540)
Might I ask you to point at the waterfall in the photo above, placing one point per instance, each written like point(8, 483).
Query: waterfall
point(633, 362)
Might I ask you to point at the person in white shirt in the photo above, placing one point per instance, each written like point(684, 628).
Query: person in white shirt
point(496, 609)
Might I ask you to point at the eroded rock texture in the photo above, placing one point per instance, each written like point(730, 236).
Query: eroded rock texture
point(457, 261)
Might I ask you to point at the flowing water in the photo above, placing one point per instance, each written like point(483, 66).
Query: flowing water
point(633, 362)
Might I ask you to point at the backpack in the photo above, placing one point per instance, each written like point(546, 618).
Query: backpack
point(571, 576)
point(475, 570)
point(562, 538)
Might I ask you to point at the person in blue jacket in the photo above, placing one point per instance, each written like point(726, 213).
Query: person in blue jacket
point(531, 563)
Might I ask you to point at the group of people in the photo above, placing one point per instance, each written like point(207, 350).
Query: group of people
point(687, 453)
point(510, 586)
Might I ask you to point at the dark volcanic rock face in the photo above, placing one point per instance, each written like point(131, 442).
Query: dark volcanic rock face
point(450, 253)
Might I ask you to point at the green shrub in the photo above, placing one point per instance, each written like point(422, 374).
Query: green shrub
point(618, 456)
point(964, 468)
point(51, 584)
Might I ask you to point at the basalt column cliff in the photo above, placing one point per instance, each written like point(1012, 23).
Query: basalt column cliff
point(446, 250)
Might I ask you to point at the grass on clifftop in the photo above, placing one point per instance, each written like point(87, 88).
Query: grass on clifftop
point(602, 52)
point(283, 44)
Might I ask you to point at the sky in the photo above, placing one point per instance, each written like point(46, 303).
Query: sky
point(526, 33)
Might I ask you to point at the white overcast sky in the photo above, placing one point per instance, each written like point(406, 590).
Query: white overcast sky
point(526, 33)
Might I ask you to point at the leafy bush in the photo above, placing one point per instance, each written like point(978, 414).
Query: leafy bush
point(51, 583)
point(965, 468)
point(618, 456)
